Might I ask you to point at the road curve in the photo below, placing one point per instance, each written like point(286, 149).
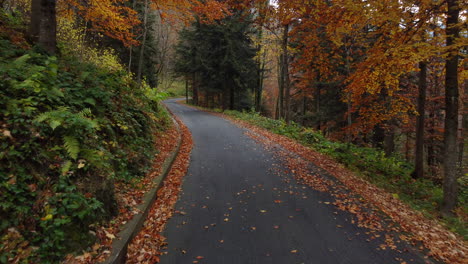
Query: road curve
point(240, 205)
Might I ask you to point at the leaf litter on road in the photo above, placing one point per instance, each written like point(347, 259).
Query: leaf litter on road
point(441, 243)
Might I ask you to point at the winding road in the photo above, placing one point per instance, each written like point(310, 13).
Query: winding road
point(240, 204)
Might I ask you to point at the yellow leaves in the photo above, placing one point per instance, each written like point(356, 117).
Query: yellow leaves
point(47, 217)
point(109, 17)
point(109, 235)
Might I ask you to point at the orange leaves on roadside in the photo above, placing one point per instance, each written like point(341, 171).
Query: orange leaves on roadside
point(129, 195)
point(147, 245)
point(441, 243)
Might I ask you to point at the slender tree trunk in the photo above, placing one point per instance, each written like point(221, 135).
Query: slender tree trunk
point(349, 118)
point(231, 97)
point(43, 27)
point(130, 55)
point(186, 89)
point(304, 107)
point(378, 137)
point(280, 88)
point(194, 89)
point(451, 111)
point(258, 89)
point(419, 151)
point(143, 43)
point(287, 85)
point(318, 91)
point(389, 142)
point(258, 97)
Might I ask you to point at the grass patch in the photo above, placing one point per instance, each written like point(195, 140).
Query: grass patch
point(174, 88)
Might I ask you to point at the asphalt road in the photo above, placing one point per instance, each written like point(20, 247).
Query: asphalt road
point(240, 205)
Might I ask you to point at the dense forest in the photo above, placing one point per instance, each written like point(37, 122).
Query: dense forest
point(385, 74)
point(81, 85)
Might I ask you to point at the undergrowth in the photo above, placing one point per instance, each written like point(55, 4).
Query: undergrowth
point(68, 129)
point(390, 173)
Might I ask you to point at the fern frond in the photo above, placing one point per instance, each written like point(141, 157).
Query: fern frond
point(66, 167)
point(85, 112)
point(72, 146)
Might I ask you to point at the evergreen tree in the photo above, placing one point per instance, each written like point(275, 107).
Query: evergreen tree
point(219, 60)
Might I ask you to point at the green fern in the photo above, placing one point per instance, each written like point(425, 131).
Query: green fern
point(66, 167)
point(72, 146)
point(85, 112)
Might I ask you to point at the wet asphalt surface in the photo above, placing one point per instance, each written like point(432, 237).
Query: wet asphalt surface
point(240, 205)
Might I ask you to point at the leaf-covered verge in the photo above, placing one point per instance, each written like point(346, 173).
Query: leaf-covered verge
point(411, 225)
point(391, 173)
point(68, 131)
point(149, 244)
point(129, 195)
point(382, 213)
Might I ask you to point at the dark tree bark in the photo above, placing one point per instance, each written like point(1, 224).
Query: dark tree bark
point(130, 51)
point(389, 141)
point(231, 97)
point(280, 101)
point(318, 92)
point(419, 151)
point(194, 89)
point(451, 111)
point(143, 43)
point(286, 84)
point(304, 107)
point(186, 89)
point(378, 137)
point(43, 27)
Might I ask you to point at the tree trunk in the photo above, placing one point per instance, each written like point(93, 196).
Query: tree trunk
point(231, 97)
point(258, 97)
point(194, 89)
point(186, 89)
point(143, 43)
point(130, 55)
point(451, 111)
point(378, 137)
point(304, 107)
point(419, 150)
point(287, 86)
point(43, 27)
point(318, 91)
point(280, 88)
point(389, 142)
